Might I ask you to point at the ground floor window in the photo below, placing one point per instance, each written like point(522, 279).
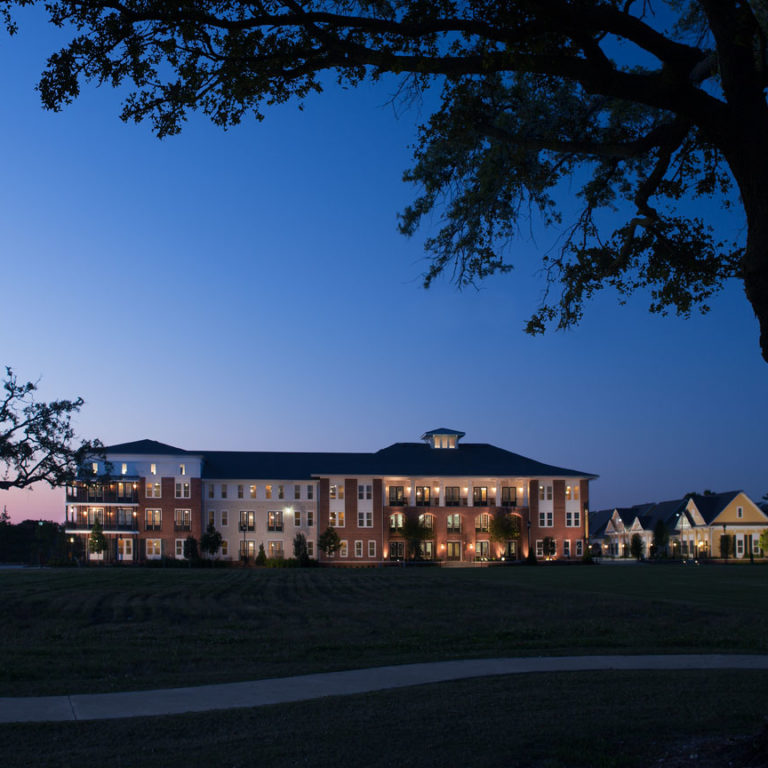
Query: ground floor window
point(453, 550)
point(579, 548)
point(344, 548)
point(154, 548)
point(247, 549)
point(311, 548)
point(566, 548)
point(396, 550)
point(179, 549)
point(358, 549)
point(371, 548)
point(95, 555)
point(125, 549)
point(427, 550)
point(275, 549)
point(482, 550)
point(539, 548)
point(739, 546)
point(224, 548)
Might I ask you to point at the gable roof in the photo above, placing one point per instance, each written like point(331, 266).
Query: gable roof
point(711, 505)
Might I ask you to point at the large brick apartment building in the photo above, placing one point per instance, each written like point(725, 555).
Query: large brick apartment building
point(150, 496)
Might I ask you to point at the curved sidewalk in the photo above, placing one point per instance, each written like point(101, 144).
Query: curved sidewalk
point(258, 693)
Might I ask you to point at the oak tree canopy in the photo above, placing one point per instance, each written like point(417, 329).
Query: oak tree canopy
point(633, 108)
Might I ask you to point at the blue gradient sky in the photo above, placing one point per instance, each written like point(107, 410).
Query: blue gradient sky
point(248, 290)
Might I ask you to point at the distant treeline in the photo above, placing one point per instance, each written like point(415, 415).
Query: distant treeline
point(33, 542)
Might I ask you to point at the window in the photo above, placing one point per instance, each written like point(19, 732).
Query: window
point(153, 519)
point(572, 492)
point(240, 491)
point(182, 490)
point(224, 548)
point(95, 467)
point(94, 514)
point(364, 519)
point(341, 491)
point(252, 491)
point(545, 520)
point(371, 548)
point(247, 550)
point(297, 517)
point(427, 521)
point(275, 549)
point(396, 495)
point(549, 493)
point(739, 512)
point(267, 491)
point(396, 521)
point(482, 550)
point(311, 548)
point(182, 519)
point(579, 548)
point(573, 519)
point(211, 487)
point(545, 491)
point(344, 548)
point(125, 518)
point(364, 492)
point(310, 492)
point(179, 550)
point(360, 491)
point(224, 491)
point(396, 550)
point(274, 521)
point(154, 548)
point(247, 521)
point(422, 495)
point(452, 496)
point(125, 492)
point(358, 548)
point(211, 517)
point(739, 546)
point(153, 469)
point(566, 548)
point(336, 519)
point(224, 517)
point(539, 546)
point(280, 491)
point(124, 471)
point(482, 522)
point(125, 549)
point(296, 492)
point(310, 518)
point(480, 497)
point(153, 490)
point(182, 469)
point(428, 550)
point(509, 496)
point(454, 523)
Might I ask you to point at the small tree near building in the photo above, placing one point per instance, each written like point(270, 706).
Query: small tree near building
point(210, 541)
point(549, 547)
point(636, 546)
point(300, 548)
point(660, 539)
point(190, 550)
point(764, 542)
point(329, 541)
point(415, 533)
point(725, 546)
point(504, 527)
point(261, 556)
point(97, 541)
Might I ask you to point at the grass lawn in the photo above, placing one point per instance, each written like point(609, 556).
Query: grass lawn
point(574, 720)
point(105, 629)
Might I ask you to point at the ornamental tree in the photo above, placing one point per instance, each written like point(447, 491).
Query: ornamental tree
point(636, 110)
point(37, 440)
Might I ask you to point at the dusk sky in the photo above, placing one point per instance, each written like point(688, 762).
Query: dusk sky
point(248, 290)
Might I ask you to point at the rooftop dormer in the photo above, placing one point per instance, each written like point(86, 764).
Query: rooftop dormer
point(443, 438)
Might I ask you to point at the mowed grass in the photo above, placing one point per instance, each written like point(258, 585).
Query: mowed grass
point(568, 720)
point(104, 629)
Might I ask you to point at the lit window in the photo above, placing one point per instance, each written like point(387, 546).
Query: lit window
point(396, 521)
point(422, 495)
point(341, 491)
point(252, 490)
point(482, 522)
point(275, 521)
point(310, 492)
point(182, 469)
point(153, 519)
point(297, 492)
point(576, 492)
point(267, 491)
point(344, 548)
point(154, 548)
point(427, 521)
point(275, 549)
point(153, 469)
point(247, 521)
point(223, 491)
point(182, 519)
point(333, 491)
point(297, 517)
point(480, 497)
point(336, 519)
point(153, 490)
point(224, 517)
point(358, 548)
point(396, 495)
point(95, 467)
point(280, 492)
point(453, 522)
point(124, 469)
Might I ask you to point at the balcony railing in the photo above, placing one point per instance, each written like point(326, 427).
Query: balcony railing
point(107, 525)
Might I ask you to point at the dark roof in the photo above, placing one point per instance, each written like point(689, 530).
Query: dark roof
point(711, 505)
point(442, 431)
point(597, 522)
point(400, 459)
point(145, 447)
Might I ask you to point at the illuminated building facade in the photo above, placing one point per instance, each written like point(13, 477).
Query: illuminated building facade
point(438, 499)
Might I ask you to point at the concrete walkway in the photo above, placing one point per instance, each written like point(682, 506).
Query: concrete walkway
point(258, 693)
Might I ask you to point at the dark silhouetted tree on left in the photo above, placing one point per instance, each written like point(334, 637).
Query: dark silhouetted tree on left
point(37, 440)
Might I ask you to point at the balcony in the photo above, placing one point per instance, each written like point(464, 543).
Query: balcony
point(108, 525)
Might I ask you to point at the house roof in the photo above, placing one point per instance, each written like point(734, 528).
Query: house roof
point(711, 505)
point(442, 431)
point(597, 522)
point(145, 447)
point(399, 459)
